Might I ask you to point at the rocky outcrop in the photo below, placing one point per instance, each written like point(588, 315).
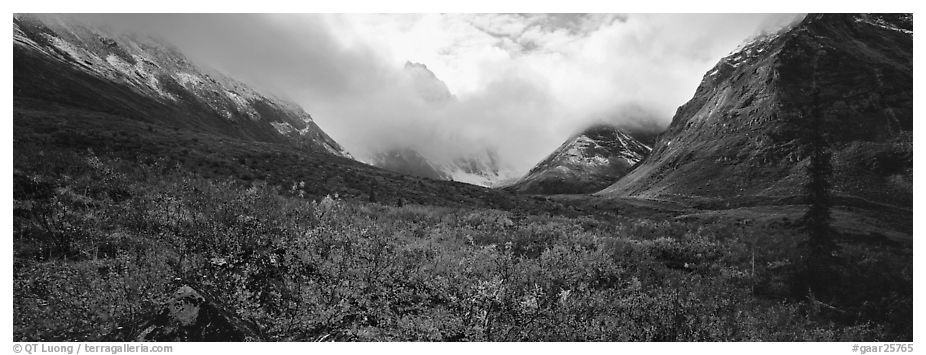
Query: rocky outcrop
point(190, 315)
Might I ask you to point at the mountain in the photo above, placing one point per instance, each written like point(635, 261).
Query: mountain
point(82, 93)
point(746, 130)
point(61, 60)
point(585, 163)
point(428, 86)
point(481, 168)
point(409, 162)
point(478, 167)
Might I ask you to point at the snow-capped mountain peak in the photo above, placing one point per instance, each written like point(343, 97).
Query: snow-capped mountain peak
point(586, 162)
point(188, 94)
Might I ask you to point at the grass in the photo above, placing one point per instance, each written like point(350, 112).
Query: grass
point(100, 241)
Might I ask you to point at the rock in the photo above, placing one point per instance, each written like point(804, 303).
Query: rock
point(191, 316)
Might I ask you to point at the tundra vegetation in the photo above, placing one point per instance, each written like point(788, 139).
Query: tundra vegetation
point(101, 241)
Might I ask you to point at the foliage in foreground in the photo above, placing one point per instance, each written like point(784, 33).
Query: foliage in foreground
point(99, 243)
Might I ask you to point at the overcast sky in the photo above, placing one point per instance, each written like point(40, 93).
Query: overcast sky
point(521, 83)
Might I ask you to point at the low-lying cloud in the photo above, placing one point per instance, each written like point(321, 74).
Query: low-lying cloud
point(521, 84)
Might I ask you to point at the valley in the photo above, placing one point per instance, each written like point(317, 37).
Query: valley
point(134, 189)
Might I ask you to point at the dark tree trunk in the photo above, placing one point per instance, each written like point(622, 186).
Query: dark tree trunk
point(820, 247)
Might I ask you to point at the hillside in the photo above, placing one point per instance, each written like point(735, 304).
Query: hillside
point(744, 133)
point(67, 62)
point(585, 163)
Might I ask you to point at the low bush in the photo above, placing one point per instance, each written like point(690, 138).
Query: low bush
point(99, 242)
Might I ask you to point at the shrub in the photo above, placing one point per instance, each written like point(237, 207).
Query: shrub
point(99, 242)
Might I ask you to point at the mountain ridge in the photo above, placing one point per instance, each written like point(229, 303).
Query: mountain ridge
point(586, 162)
point(743, 132)
point(180, 93)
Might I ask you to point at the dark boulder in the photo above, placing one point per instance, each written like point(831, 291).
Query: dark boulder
point(191, 315)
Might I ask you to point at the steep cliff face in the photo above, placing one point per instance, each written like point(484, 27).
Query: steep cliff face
point(585, 163)
point(745, 131)
point(57, 59)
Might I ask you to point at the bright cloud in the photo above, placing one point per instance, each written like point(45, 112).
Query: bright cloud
point(522, 83)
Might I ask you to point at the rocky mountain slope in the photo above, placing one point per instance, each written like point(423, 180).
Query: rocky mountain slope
point(745, 131)
point(585, 163)
point(58, 59)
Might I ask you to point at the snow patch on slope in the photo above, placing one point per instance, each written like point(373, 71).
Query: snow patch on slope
point(283, 127)
point(242, 104)
point(749, 50)
point(138, 74)
point(879, 22)
point(486, 177)
point(65, 46)
point(577, 153)
point(188, 80)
